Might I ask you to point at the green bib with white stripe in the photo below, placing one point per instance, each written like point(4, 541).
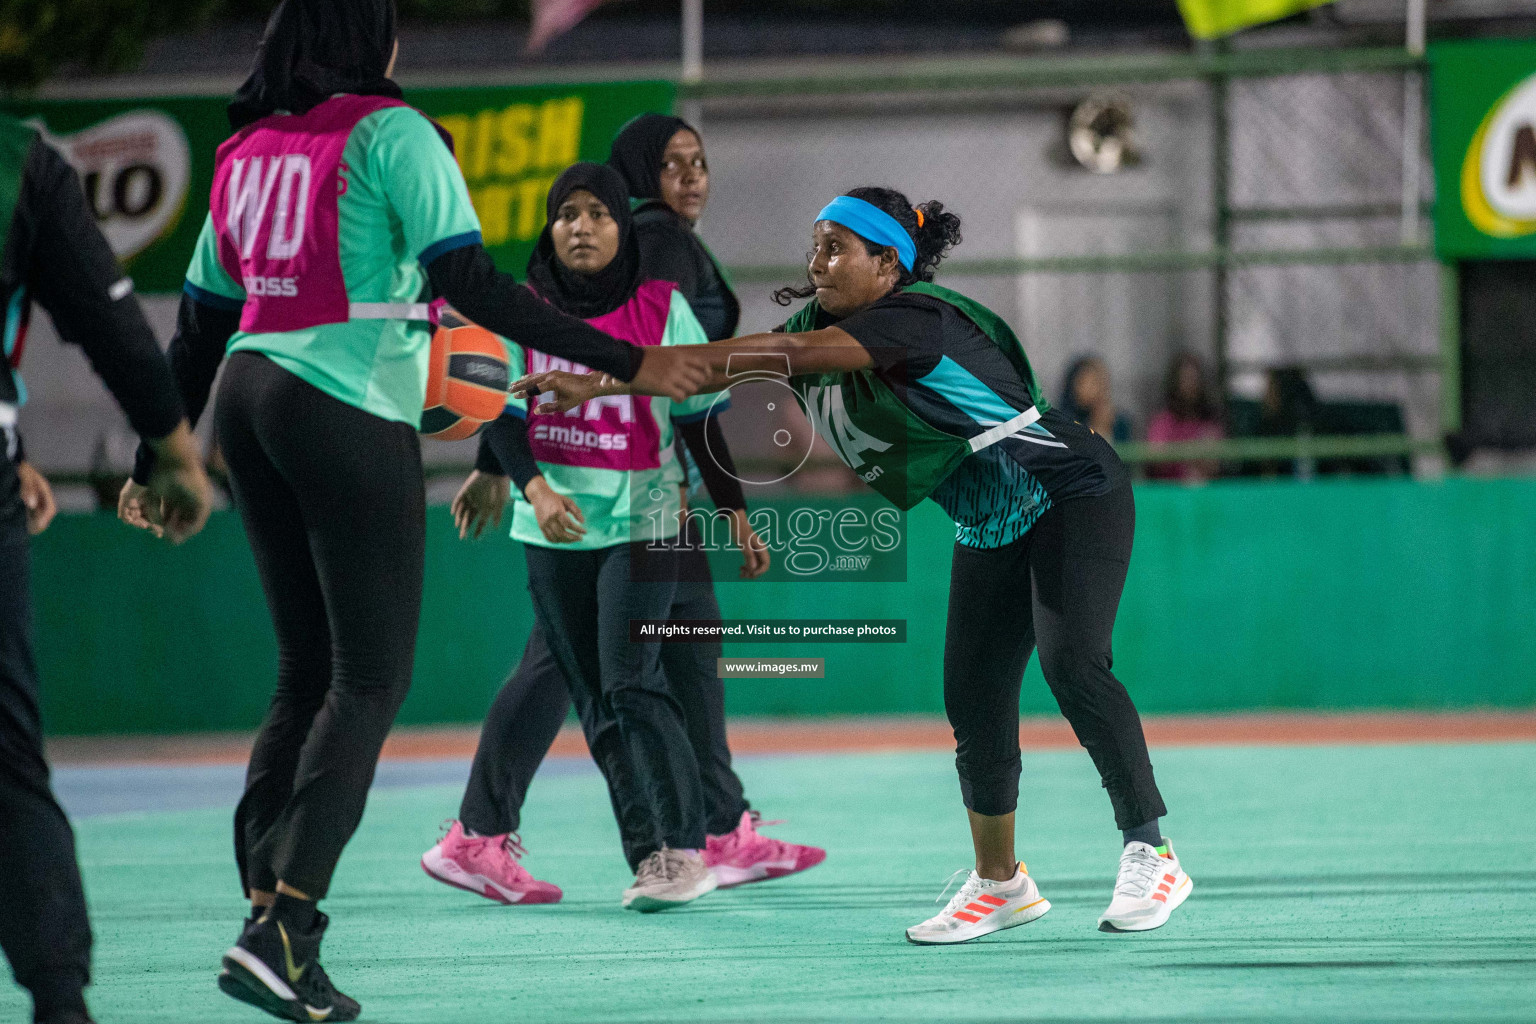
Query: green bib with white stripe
point(889, 446)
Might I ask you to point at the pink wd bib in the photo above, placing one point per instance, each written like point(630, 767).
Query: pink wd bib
point(275, 186)
point(616, 431)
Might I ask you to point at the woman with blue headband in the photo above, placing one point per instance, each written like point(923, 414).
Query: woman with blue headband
point(926, 393)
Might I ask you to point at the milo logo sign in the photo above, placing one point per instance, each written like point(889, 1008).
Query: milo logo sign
point(135, 168)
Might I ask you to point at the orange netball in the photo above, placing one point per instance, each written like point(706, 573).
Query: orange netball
point(466, 380)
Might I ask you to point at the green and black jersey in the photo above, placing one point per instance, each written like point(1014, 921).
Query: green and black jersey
point(52, 252)
point(952, 410)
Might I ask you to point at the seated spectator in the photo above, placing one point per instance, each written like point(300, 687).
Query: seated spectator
point(1189, 414)
point(1289, 409)
point(1087, 399)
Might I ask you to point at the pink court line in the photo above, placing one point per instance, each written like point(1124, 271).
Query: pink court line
point(873, 733)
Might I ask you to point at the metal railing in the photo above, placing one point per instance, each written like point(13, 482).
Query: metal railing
point(1050, 71)
point(1216, 67)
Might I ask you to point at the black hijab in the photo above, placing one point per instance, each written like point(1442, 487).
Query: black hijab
point(587, 295)
point(638, 149)
point(313, 49)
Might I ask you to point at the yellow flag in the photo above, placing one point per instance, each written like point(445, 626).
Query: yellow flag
point(1212, 19)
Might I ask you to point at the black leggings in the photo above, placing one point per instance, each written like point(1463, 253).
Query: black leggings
point(632, 721)
point(334, 507)
point(528, 711)
point(1058, 588)
point(43, 927)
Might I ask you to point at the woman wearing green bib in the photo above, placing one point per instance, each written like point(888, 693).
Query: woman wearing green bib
point(928, 394)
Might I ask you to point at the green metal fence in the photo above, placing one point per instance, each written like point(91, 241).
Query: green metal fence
point(1216, 68)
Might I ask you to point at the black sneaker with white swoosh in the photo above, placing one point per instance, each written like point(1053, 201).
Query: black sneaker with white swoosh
point(277, 969)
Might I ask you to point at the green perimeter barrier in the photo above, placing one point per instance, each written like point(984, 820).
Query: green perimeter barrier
point(1242, 596)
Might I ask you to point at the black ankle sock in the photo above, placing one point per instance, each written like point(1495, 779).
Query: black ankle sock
point(294, 912)
point(1150, 833)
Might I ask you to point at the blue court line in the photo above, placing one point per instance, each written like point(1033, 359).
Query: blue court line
point(87, 791)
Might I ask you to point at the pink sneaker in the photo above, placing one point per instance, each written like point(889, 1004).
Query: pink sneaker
point(745, 856)
point(488, 866)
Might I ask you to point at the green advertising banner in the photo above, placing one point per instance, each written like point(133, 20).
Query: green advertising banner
point(147, 164)
point(1483, 128)
point(513, 142)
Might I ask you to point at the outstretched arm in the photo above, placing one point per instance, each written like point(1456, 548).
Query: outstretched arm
point(469, 281)
point(828, 350)
point(717, 365)
point(427, 191)
point(467, 278)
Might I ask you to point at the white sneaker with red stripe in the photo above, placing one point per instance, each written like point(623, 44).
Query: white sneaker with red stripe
point(1150, 887)
point(982, 907)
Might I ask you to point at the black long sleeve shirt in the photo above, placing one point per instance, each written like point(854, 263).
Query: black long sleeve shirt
point(504, 450)
point(57, 255)
point(470, 282)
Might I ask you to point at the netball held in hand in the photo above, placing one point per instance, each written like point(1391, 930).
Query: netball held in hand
point(466, 379)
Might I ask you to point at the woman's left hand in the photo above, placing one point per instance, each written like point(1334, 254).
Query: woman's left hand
point(755, 559)
point(37, 496)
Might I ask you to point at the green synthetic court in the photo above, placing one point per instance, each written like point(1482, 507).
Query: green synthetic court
point(1331, 883)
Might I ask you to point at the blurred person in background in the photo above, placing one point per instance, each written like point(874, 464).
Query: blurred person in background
point(1289, 408)
point(1189, 413)
point(55, 254)
point(1087, 398)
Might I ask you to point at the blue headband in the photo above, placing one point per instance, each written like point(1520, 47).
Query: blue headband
point(873, 223)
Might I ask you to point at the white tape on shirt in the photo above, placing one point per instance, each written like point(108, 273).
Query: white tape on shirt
point(389, 311)
point(8, 430)
point(1002, 430)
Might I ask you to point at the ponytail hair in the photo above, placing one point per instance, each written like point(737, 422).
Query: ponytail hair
point(934, 232)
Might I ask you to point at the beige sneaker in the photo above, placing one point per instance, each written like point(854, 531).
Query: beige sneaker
point(669, 878)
